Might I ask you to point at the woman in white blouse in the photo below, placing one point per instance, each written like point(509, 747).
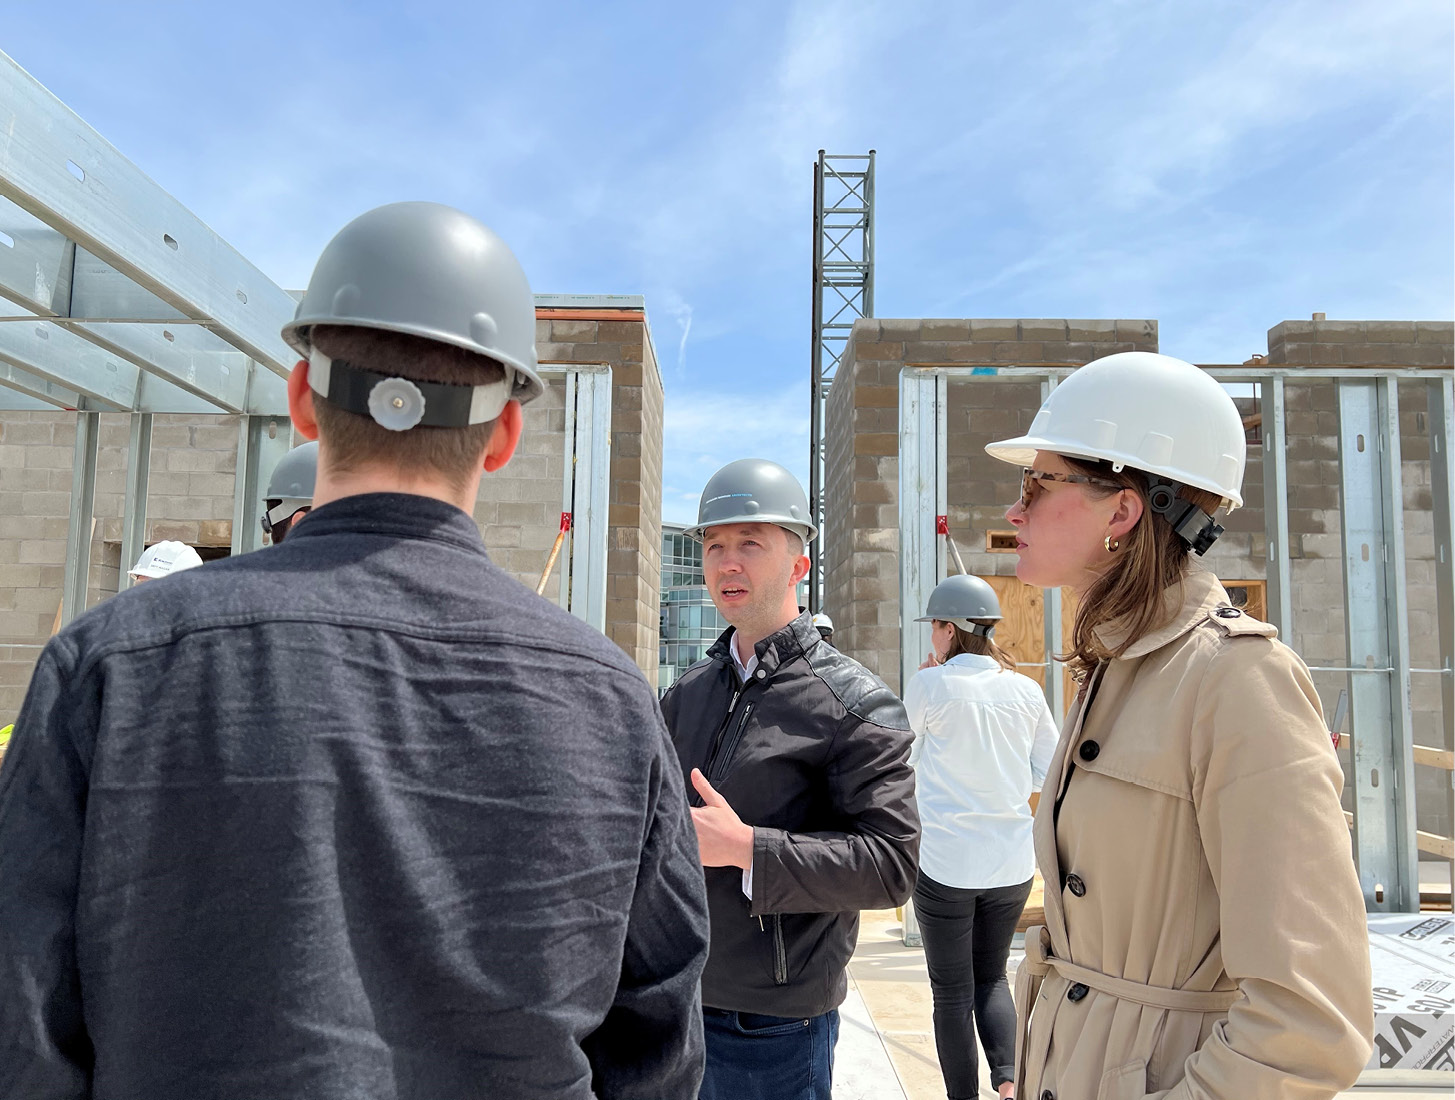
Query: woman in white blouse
point(983, 740)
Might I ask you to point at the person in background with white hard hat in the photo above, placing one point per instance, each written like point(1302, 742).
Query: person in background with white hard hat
point(825, 627)
point(361, 816)
point(290, 491)
point(804, 799)
point(161, 559)
point(983, 739)
point(1205, 933)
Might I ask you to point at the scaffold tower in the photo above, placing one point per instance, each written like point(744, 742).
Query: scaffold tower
point(843, 291)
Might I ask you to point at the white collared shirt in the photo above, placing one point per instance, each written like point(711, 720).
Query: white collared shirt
point(983, 741)
point(744, 671)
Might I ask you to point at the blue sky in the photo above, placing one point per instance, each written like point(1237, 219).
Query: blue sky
point(1219, 166)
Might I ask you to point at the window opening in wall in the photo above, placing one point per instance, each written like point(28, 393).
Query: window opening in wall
point(1000, 542)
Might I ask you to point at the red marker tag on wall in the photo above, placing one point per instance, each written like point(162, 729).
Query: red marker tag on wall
point(565, 521)
point(942, 525)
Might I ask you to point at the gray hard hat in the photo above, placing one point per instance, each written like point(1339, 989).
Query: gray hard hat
point(962, 600)
point(295, 474)
point(426, 270)
point(754, 490)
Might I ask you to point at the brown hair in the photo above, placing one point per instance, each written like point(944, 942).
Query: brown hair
point(355, 440)
point(965, 642)
point(1151, 559)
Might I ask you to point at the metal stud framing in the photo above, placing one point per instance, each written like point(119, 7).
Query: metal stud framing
point(83, 508)
point(585, 491)
point(1377, 629)
point(138, 475)
point(1440, 413)
point(1275, 505)
point(1376, 618)
point(261, 442)
point(843, 291)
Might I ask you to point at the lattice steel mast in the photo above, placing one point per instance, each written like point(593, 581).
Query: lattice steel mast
point(843, 291)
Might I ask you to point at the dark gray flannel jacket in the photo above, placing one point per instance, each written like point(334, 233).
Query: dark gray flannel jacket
point(355, 816)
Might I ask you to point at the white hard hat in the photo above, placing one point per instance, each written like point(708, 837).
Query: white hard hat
point(163, 558)
point(823, 622)
point(1151, 412)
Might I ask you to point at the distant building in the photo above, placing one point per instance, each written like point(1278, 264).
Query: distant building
point(689, 624)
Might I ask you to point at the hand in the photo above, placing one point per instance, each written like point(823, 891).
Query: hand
point(931, 660)
point(722, 838)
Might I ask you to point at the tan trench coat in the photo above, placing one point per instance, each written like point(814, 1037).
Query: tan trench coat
point(1208, 939)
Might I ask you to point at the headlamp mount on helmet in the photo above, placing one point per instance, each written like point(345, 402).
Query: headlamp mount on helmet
point(1193, 526)
point(399, 404)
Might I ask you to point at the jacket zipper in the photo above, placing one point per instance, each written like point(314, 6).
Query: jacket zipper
point(780, 954)
point(723, 755)
point(696, 799)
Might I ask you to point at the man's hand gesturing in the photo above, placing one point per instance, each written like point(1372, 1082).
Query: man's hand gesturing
point(722, 838)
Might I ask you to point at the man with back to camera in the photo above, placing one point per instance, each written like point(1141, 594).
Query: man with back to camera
point(290, 491)
point(804, 802)
point(360, 816)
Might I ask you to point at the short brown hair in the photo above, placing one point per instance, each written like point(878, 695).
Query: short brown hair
point(965, 642)
point(355, 440)
point(1151, 559)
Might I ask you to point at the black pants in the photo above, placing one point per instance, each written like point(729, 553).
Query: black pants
point(967, 936)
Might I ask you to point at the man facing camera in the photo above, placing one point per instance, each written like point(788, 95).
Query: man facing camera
point(804, 798)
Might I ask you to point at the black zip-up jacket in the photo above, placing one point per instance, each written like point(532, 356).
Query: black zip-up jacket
point(813, 752)
point(358, 817)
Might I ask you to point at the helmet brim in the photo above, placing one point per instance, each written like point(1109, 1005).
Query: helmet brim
point(1021, 451)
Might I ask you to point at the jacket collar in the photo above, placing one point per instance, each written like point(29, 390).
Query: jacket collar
point(392, 515)
point(787, 644)
point(1184, 605)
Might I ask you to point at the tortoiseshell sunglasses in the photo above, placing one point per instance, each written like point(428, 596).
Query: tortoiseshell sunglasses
point(1029, 479)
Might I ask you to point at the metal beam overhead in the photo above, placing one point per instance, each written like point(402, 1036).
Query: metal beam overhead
point(61, 171)
point(20, 389)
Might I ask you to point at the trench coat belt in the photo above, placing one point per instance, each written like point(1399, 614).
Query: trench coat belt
point(1039, 962)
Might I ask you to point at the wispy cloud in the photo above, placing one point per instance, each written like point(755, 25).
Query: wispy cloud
point(707, 430)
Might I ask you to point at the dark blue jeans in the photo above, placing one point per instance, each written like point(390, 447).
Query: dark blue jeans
point(754, 1057)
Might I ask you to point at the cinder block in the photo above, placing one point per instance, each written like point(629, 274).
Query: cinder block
point(945, 330)
point(1386, 332)
point(993, 330)
point(1102, 331)
point(1049, 331)
point(563, 332)
point(1141, 334)
point(875, 352)
point(906, 329)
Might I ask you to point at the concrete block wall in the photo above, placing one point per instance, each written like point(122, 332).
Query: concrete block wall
point(190, 497)
point(622, 339)
point(862, 485)
point(861, 559)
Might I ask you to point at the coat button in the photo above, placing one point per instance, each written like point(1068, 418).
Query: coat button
point(1076, 992)
point(761, 673)
point(1090, 750)
point(1076, 885)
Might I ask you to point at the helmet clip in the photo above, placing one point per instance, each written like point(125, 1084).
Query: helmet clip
point(1193, 526)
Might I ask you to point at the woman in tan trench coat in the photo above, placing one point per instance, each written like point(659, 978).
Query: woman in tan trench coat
point(1207, 939)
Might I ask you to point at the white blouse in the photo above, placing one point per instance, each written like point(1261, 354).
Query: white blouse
point(983, 741)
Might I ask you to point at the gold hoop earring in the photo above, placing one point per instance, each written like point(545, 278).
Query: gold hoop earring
point(1112, 545)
